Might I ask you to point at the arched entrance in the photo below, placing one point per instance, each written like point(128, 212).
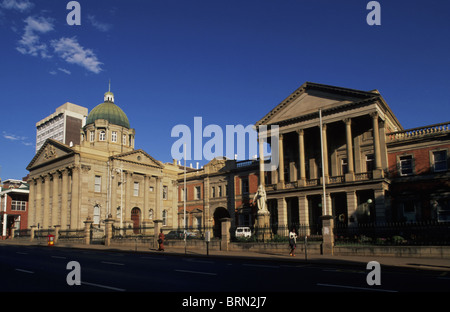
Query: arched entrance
point(219, 214)
point(136, 218)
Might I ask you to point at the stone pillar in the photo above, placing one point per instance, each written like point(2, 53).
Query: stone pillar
point(350, 176)
point(146, 200)
point(282, 217)
point(352, 205)
point(281, 166)
point(225, 240)
point(128, 194)
point(378, 172)
point(157, 230)
point(64, 198)
point(327, 235)
point(158, 195)
point(261, 160)
point(380, 208)
point(303, 214)
point(38, 212)
point(263, 225)
point(55, 199)
point(32, 204)
point(301, 166)
point(108, 230)
point(87, 230)
point(32, 232)
point(75, 202)
point(46, 208)
point(57, 228)
point(325, 153)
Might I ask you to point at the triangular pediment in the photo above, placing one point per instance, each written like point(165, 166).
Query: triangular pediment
point(139, 157)
point(311, 97)
point(50, 152)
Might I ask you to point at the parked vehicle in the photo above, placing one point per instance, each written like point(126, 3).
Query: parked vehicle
point(243, 231)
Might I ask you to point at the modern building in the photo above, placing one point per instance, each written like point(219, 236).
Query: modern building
point(102, 177)
point(14, 206)
point(373, 170)
point(62, 126)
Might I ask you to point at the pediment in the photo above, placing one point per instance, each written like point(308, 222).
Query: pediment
point(50, 152)
point(311, 97)
point(139, 157)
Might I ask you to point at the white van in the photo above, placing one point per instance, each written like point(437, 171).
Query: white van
point(243, 231)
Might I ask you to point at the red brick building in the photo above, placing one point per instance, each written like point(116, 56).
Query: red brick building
point(14, 206)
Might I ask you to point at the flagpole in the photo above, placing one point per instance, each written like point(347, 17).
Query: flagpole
point(324, 201)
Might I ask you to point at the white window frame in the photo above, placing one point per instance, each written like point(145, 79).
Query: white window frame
point(445, 161)
point(102, 135)
point(114, 136)
point(136, 189)
point(400, 164)
point(97, 184)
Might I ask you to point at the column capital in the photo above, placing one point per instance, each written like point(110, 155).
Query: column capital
point(374, 115)
point(347, 121)
point(300, 131)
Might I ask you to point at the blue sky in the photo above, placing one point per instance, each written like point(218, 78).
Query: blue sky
point(229, 62)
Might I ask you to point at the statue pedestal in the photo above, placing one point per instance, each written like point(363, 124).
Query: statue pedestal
point(263, 225)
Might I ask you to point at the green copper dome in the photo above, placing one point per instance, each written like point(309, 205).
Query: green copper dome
point(108, 111)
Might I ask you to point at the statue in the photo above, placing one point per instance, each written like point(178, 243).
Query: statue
point(260, 198)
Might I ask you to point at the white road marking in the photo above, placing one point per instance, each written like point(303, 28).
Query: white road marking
point(359, 288)
point(103, 286)
point(113, 263)
point(25, 271)
point(196, 272)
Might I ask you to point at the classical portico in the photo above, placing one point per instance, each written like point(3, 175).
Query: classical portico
point(355, 157)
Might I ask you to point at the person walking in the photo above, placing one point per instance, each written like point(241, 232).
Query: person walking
point(292, 242)
point(161, 241)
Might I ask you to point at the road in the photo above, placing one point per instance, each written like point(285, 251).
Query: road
point(44, 269)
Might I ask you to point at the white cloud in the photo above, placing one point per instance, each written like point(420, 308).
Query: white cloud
point(30, 42)
point(99, 25)
point(14, 138)
point(19, 5)
point(72, 52)
point(64, 71)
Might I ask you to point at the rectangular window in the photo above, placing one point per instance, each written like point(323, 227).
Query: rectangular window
point(124, 139)
point(98, 184)
point(114, 136)
point(165, 192)
point(136, 189)
point(344, 166)
point(245, 186)
point(182, 196)
point(213, 192)
point(164, 217)
point(369, 162)
point(18, 205)
point(220, 191)
point(197, 192)
point(440, 161)
point(102, 136)
point(92, 136)
point(406, 165)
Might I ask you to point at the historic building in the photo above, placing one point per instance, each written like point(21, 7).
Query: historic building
point(104, 176)
point(13, 206)
point(373, 170)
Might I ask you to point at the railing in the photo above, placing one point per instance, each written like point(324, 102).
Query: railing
point(397, 233)
point(22, 233)
point(417, 132)
point(130, 232)
point(278, 233)
point(71, 234)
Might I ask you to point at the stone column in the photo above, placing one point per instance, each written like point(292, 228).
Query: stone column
point(158, 195)
point(261, 160)
point(352, 205)
point(380, 208)
point(46, 208)
point(55, 199)
point(282, 217)
point(350, 176)
point(327, 235)
point(301, 166)
point(64, 198)
point(38, 212)
point(225, 240)
point(325, 152)
point(87, 230)
point(281, 166)
point(157, 229)
point(75, 202)
point(32, 232)
point(128, 195)
point(303, 214)
point(32, 204)
point(108, 230)
point(378, 172)
point(57, 228)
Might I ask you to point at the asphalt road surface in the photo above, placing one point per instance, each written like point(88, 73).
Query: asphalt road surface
point(45, 269)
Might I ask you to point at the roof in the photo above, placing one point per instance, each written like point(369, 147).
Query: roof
point(110, 112)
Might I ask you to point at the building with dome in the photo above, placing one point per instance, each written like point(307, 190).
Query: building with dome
point(102, 177)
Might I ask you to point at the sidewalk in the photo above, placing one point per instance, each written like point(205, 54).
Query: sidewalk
point(396, 262)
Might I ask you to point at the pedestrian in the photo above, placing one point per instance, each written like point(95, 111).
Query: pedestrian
point(292, 242)
point(161, 241)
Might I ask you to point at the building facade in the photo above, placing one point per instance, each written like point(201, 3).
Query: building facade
point(102, 177)
point(373, 170)
point(14, 206)
point(62, 126)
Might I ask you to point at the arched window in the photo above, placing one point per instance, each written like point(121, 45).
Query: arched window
point(102, 135)
point(150, 214)
point(96, 215)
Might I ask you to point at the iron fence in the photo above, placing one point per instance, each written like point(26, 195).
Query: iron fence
point(278, 233)
point(395, 233)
